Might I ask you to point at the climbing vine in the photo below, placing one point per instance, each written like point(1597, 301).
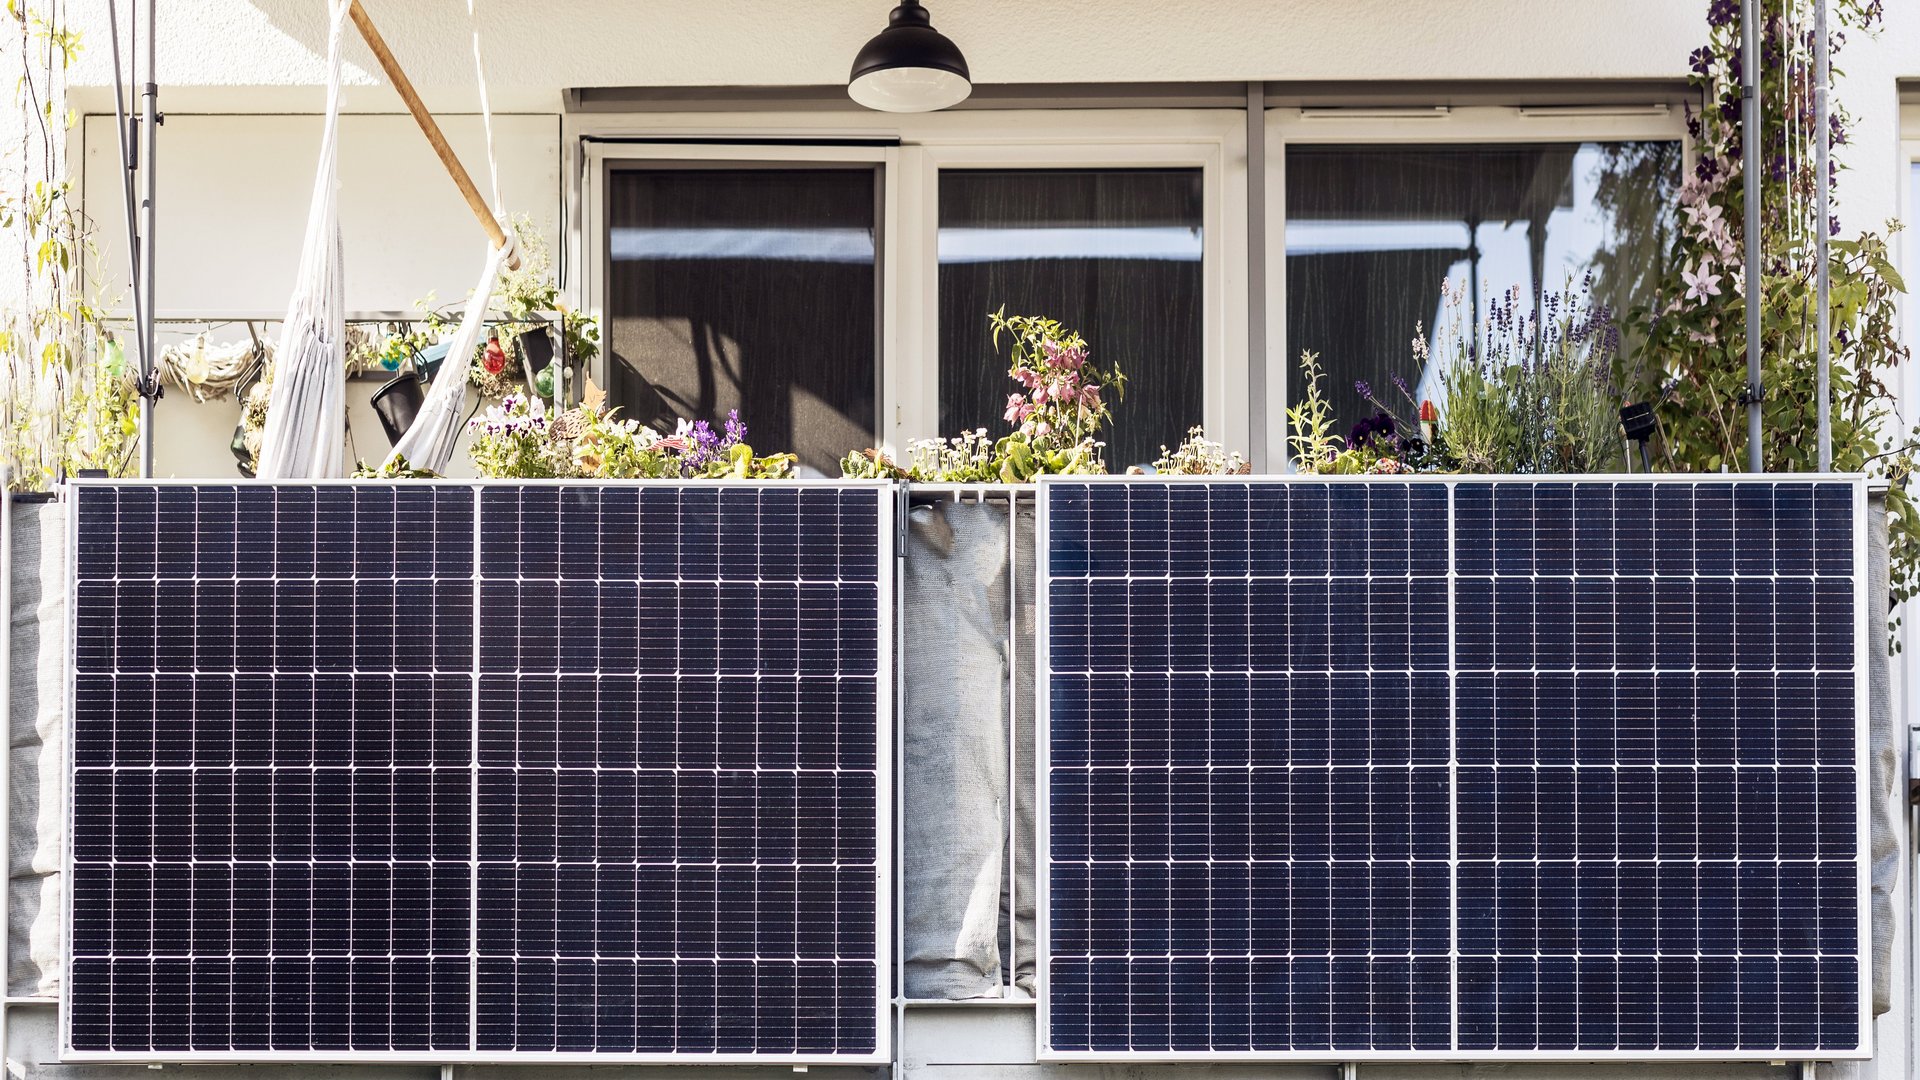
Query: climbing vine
point(68, 400)
point(1693, 364)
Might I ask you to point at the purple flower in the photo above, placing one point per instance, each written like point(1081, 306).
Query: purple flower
point(736, 430)
point(1722, 12)
point(1367, 429)
point(1360, 387)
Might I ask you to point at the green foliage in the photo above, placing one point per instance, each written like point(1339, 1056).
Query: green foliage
point(1693, 367)
point(1062, 401)
point(1318, 451)
point(1527, 397)
point(520, 439)
point(67, 401)
point(397, 469)
point(1310, 423)
point(1059, 412)
point(522, 294)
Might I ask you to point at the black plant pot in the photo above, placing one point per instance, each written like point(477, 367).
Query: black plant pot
point(396, 403)
point(241, 458)
point(536, 349)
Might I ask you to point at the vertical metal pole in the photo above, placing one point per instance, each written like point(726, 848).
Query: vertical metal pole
point(1822, 236)
point(1257, 418)
point(1010, 990)
point(149, 137)
point(127, 163)
point(1750, 135)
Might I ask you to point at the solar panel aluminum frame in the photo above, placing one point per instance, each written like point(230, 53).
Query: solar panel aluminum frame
point(886, 612)
point(1868, 629)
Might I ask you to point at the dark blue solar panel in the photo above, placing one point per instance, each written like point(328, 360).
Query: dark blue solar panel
point(1470, 768)
point(678, 782)
point(276, 770)
point(271, 795)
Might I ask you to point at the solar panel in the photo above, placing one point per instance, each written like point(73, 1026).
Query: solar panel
point(704, 880)
point(479, 772)
point(1459, 769)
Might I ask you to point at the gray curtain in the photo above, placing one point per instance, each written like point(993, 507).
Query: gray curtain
point(957, 662)
point(37, 725)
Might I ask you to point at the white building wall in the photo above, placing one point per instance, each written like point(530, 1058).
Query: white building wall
point(235, 187)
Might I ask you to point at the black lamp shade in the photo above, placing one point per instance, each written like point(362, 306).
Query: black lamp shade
point(909, 66)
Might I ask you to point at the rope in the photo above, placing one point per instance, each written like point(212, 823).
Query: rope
point(486, 110)
point(435, 433)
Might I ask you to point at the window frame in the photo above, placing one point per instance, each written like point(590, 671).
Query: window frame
point(910, 151)
point(601, 160)
point(1905, 258)
point(1413, 126)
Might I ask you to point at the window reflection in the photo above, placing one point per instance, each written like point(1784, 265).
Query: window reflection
point(748, 289)
point(1112, 253)
point(1372, 231)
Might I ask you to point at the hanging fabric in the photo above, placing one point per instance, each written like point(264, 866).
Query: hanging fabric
point(306, 423)
point(429, 444)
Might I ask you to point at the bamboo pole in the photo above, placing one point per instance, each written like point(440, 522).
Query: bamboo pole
point(430, 129)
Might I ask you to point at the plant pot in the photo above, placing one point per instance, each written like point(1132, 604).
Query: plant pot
point(536, 348)
point(242, 459)
point(396, 403)
point(428, 360)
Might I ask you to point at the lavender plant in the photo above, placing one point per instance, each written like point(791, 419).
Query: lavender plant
point(1534, 393)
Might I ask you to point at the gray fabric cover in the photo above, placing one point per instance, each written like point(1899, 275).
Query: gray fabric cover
point(956, 664)
point(1885, 756)
point(38, 759)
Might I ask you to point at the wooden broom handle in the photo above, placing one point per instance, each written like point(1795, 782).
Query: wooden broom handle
point(430, 129)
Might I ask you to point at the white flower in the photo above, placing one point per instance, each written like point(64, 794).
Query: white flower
point(1701, 283)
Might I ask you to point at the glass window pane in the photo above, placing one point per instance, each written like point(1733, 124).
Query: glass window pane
point(1373, 230)
point(1112, 253)
point(748, 289)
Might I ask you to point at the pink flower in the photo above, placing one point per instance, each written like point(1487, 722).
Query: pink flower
point(1090, 397)
point(1015, 404)
point(1701, 283)
point(1026, 377)
point(1071, 359)
point(1042, 428)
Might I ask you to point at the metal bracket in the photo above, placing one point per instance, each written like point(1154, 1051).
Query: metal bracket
point(1913, 760)
point(1752, 394)
point(902, 507)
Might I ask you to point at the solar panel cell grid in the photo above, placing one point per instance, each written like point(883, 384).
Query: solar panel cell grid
point(258, 818)
point(1471, 768)
point(670, 736)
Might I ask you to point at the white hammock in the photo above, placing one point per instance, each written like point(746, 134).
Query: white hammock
point(307, 420)
point(430, 442)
